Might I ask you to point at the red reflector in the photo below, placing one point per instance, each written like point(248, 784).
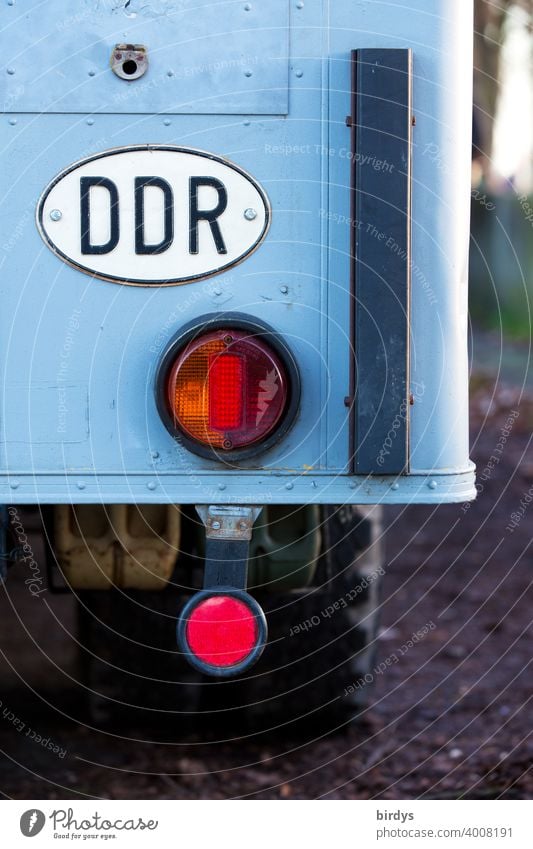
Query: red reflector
point(226, 391)
point(222, 631)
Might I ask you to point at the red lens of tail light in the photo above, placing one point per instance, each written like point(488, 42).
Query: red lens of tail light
point(222, 632)
point(227, 388)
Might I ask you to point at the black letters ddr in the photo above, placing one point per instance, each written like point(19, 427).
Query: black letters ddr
point(86, 184)
point(140, 245)
point(210, 215)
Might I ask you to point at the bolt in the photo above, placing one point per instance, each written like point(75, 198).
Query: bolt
point(243, 526)
point(215, 525)
point(228, 339)
point(118, 56)
point(56, 215)
point(227, 444)
point(217, 291)
point(289, 486)
point(155, 455)
point(284, 290)
point(250, 214)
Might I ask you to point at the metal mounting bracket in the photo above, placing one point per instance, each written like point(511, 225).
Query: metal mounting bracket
point(228, 535)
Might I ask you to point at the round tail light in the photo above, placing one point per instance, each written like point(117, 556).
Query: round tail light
point(228, 387)
point(222, 632)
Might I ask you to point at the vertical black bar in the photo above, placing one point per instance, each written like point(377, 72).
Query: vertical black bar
point(381, 199)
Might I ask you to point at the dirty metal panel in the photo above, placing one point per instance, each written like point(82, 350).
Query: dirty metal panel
point(231, 58)
point(381, 202)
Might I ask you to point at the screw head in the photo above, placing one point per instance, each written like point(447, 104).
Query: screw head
point(215, 525)
point(56, 215)
point(250, 214)
point(243, 525)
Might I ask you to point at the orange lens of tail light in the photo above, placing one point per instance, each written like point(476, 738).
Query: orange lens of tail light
point(227, 389)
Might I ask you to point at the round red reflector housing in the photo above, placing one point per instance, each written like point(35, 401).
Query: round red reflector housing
point(228, 388)
point(222, 632)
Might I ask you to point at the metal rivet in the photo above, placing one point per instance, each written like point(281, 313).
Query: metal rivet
point(92, 73)
point(395, 486)
point(243, 525)
point(10, 71)
point(299, 73)
point(151, 485)
point(155, 455)
point(432, 484)
point(246, 123)
point(247, 7)
point(167, 122)
point(170, 73)
point(215, 525)
point(14, 484)
point(217, 291)
point(353, 485)
point(283, 289)
point(248, 73)
point(81, 485)
point(250, 214)
point(13, 121)
point(56, 215)
point(289, 486)
point(222, 487)
point(300, 4)
point(10, 2)
point(90, 122)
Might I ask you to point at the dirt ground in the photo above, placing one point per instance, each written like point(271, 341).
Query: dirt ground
point(451, 718)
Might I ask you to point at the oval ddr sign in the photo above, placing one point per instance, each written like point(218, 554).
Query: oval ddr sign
point(153, 215)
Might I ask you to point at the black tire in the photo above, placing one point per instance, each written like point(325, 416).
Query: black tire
point(321, 646)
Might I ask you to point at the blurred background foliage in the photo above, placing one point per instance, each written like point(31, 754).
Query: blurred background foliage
point(501, 262)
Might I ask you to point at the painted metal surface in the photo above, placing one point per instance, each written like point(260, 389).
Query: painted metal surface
point(78, 357)
point(216, 56)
